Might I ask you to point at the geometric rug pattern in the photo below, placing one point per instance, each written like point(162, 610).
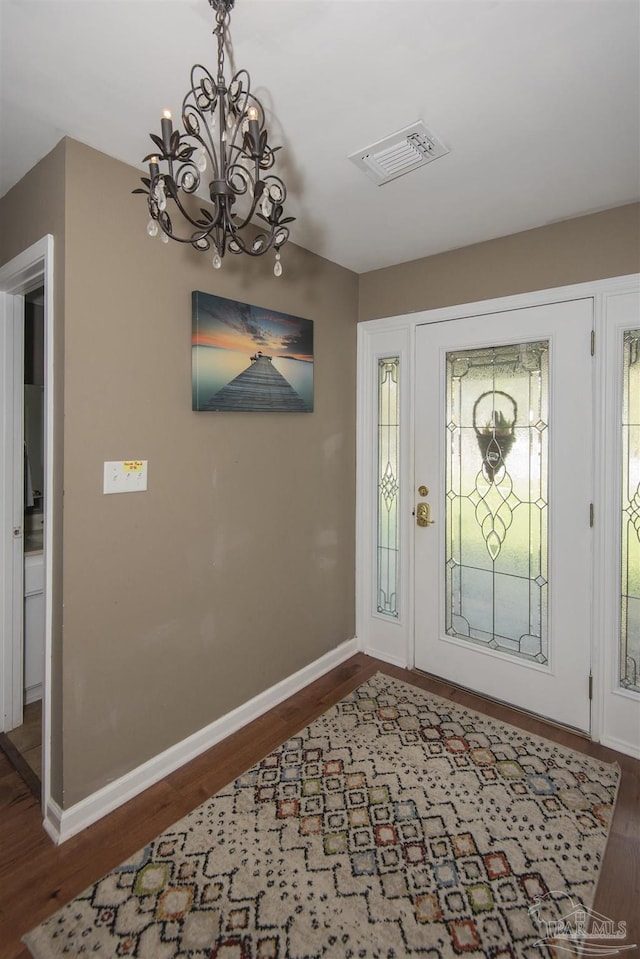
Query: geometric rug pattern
point(397, 824)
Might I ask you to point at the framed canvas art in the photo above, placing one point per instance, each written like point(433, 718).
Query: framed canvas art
point(246, 358)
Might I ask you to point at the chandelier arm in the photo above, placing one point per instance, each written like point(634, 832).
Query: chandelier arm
point(202, 95)
point(241, 100)
point(267, 159)
point(242, 183)
point(188, 177)
point(204, 227)
point(191, 240)
point(199, 239)
point(265, 243)
point(222, 131)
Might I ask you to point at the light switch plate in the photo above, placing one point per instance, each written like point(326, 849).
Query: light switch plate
point(125, 476)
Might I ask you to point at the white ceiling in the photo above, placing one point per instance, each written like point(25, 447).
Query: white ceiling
point(537, 100)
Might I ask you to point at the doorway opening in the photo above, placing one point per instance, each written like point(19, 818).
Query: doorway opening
point(23, 743)
point(26, 546)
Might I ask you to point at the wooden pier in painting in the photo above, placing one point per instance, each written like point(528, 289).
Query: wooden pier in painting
point(258, 388)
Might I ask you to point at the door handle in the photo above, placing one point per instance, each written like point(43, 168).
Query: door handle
point(423, 515)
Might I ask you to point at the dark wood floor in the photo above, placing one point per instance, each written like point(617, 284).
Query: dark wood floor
point(23, 747)
point(37, 877)
point(27, 738)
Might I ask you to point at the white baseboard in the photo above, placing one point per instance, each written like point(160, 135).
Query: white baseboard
point(61, 824)
point(53, 820)
point(629, 749)
point(385, 656)
point(33, 694)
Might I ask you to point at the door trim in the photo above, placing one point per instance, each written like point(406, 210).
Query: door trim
point(31, 268)
point(393, 641)
point(11, 623)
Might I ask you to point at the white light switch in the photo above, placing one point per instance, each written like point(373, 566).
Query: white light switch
point(125, 476)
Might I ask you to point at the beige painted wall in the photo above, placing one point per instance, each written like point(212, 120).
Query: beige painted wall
point(575, 251)
point(236, 567)
point(34, 208)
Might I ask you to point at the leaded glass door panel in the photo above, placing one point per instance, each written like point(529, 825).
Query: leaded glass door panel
point(503, 446)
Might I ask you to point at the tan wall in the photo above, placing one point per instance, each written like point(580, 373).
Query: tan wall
point(575, 251)
point(32, 209)
point(236, 568)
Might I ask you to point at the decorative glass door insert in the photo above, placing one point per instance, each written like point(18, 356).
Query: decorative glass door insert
point(496, 498)
point(388, 546)
point(629, 676)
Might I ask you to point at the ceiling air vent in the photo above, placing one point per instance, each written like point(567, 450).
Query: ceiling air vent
point(399, 153)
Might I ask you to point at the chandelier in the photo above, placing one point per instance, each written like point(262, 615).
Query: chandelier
point(224, 150)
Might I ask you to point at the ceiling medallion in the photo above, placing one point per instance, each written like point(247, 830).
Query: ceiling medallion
point(223, 149)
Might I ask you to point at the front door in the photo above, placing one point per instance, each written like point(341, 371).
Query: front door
point(503, 492)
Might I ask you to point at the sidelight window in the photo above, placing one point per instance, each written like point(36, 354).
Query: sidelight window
point(629, 660)
point(388, 462)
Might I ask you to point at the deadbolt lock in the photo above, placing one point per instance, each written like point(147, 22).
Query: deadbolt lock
point(423, 490)
point(423, 515)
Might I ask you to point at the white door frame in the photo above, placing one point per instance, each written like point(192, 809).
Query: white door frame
point(27, 271)
point(392, 639)
point(12, 471)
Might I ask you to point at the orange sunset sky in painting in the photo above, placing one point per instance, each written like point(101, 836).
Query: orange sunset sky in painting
point(230, 325)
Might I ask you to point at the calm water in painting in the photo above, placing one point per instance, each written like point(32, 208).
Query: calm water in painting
point(213, 368)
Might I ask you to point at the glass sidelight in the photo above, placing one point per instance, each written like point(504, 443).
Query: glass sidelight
point(496, 555)
point(629, 674)
point(388, 462)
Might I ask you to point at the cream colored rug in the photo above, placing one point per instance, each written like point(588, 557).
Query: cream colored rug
point(398, 824)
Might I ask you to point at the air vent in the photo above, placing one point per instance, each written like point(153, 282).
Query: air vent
point(399, 153)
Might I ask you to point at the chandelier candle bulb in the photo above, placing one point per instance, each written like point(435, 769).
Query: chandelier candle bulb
point(154, 169)
point(254, 131)
point(167, 129)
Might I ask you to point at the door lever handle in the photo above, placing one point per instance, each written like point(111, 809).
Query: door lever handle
point(423, 515)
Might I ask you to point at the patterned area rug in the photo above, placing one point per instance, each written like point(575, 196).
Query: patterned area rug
point(398, 824)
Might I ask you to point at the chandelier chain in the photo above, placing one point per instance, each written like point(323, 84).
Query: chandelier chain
point(222, 20)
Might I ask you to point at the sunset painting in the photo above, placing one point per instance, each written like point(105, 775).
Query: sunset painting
point(247, 358)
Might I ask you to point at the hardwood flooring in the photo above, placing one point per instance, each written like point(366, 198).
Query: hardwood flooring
point(23, 747)
point(28, 738)
point(37, 877)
